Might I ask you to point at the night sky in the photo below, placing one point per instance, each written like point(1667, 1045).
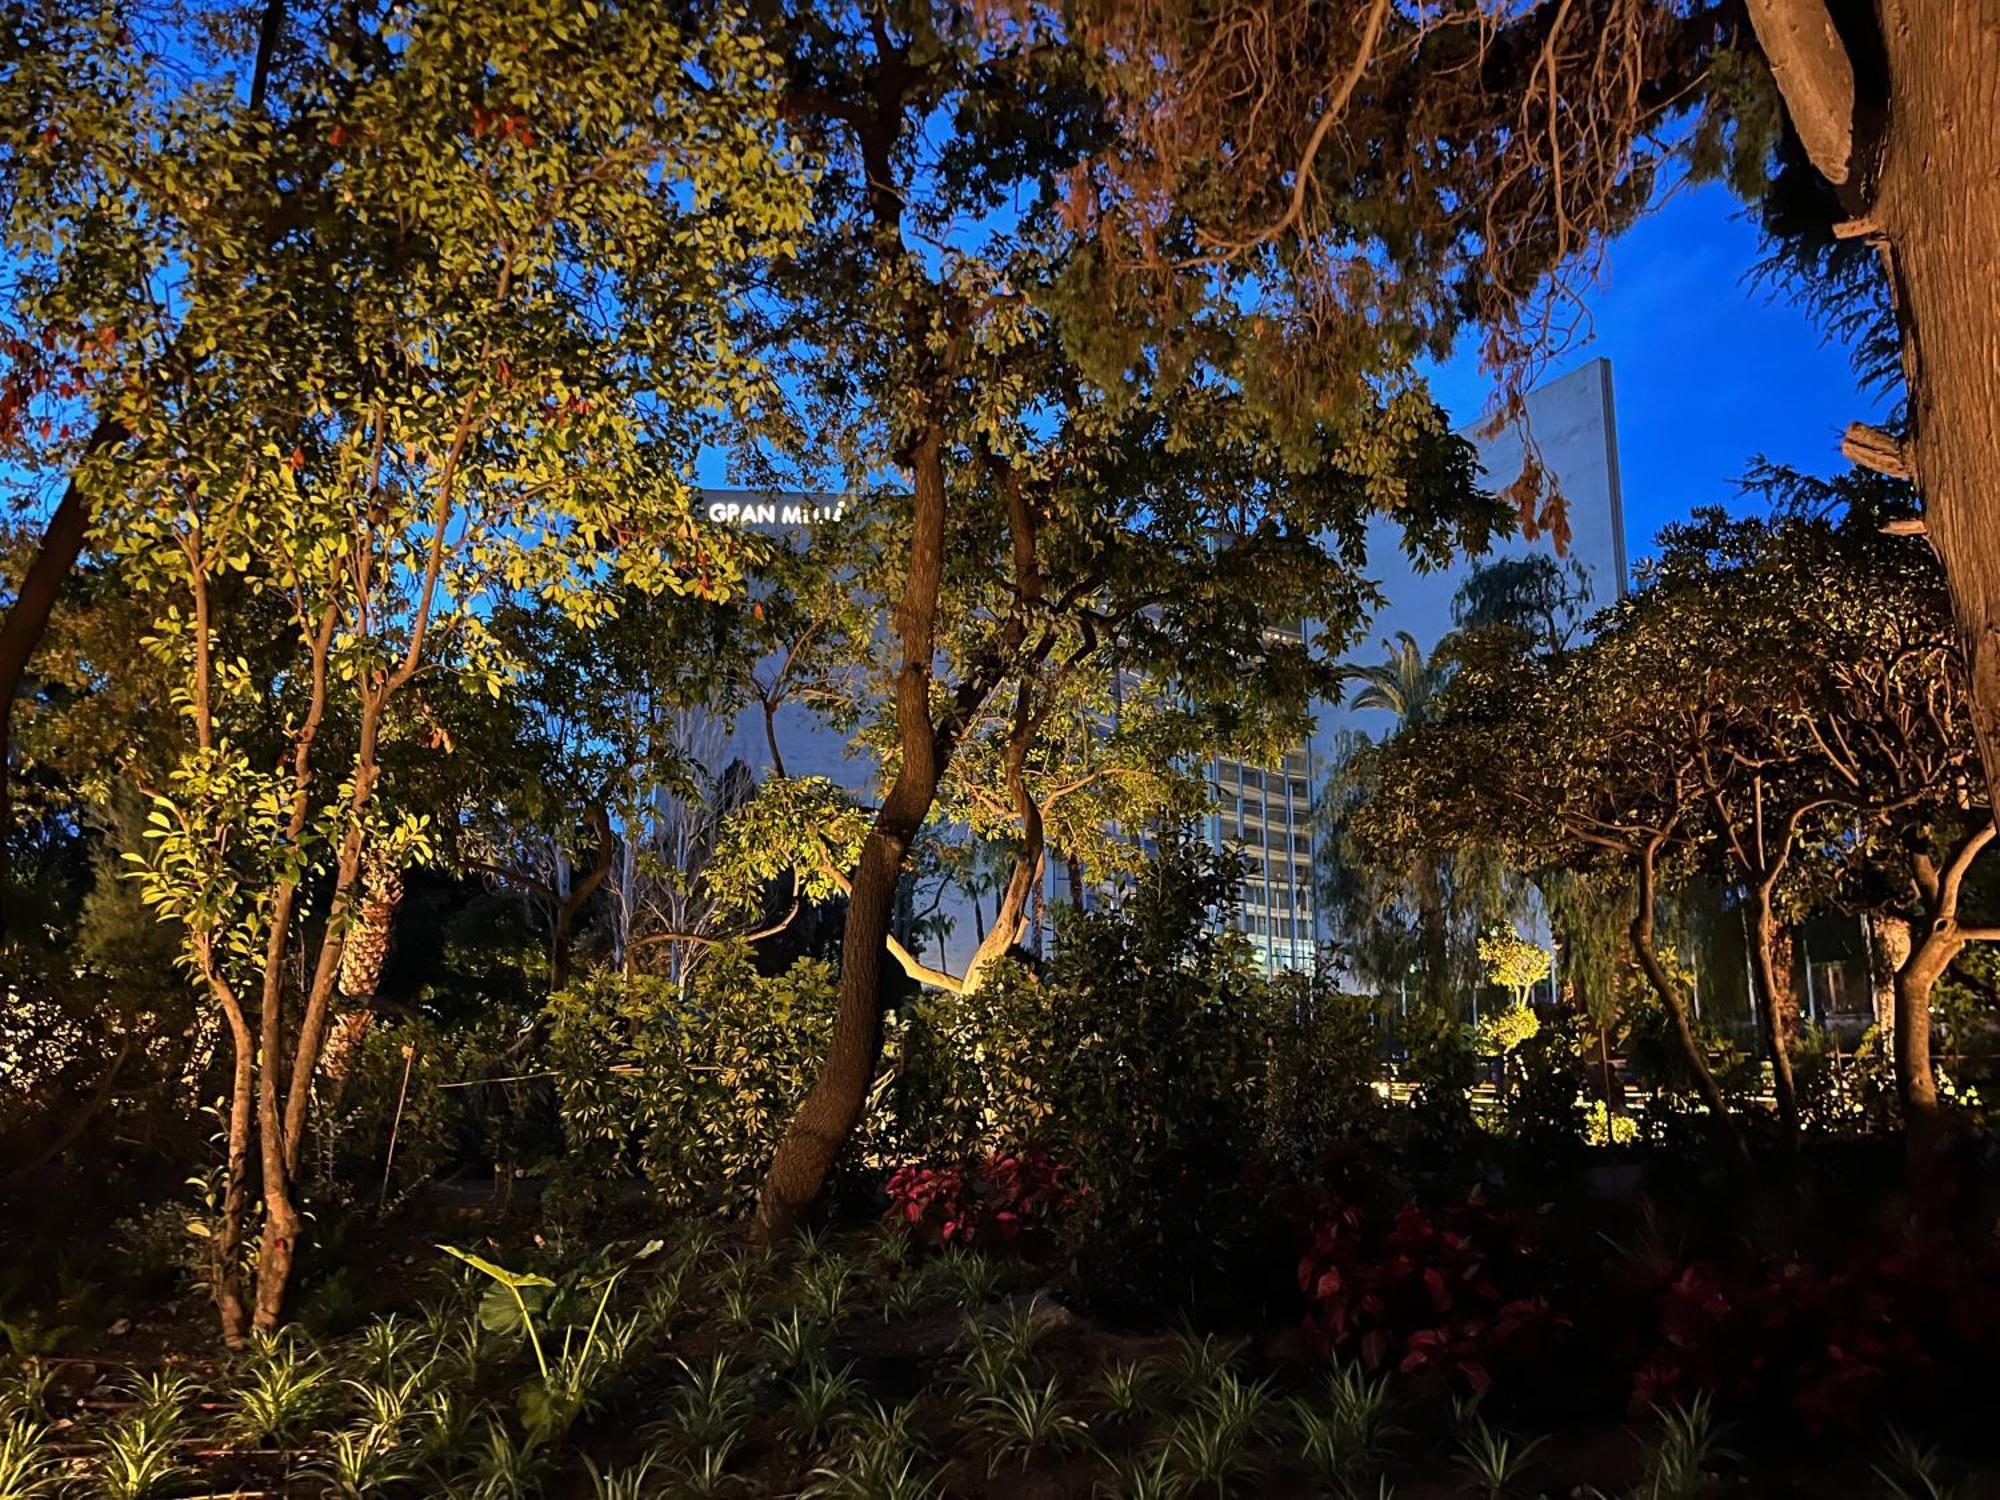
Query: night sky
point(1708, 370)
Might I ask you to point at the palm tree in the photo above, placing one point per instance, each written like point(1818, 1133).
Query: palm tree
point(1405, 686)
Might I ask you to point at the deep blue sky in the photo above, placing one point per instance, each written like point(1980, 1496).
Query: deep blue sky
point(1708, 371)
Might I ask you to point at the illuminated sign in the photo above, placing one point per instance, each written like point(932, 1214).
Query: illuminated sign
point(770, 513)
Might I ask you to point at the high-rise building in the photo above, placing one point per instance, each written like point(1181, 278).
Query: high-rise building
point(1264, 813)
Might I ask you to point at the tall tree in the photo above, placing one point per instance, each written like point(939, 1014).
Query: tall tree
point(85, 109)
point(1070, 476)
point(472, 371)
point(1486, 153)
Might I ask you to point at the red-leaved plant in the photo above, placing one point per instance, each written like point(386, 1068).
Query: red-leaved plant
point(1457, 1294)
point(1007, 1200)
point(1832, 1343)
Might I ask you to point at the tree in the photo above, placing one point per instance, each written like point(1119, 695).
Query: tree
point(1445, 163)
point(1828, 734)
point(1401, 906)
point(470, 374)
point(1513, 962)
point(1071, 486)
point(1781, 698)
point(1563, 761)
point(1538, 602)
point(85, 114)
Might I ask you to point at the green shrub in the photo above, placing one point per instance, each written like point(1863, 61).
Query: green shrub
point(1441, 1068)
point(1139, 1058)
point(1541, 1093)
point(688, 1087)
point(1323, 1069)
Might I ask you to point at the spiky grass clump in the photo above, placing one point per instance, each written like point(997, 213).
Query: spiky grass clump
point(880, 1459)
point(29, 1467)
point(1023, 1419)
point(1343, 1431)
point(26, 1396)
point(711, 1407)
point(134, 1459)
point(1680, 1457)
point(794, 1341)
point(363, 1461)
point(1220, 1442)
point(1495, 1462)
point(821, 1401)
point(1124, 1388)
point(1915, 1471)
point(286, 1393)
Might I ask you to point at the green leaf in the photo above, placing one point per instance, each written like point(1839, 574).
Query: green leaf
point(515, 1279)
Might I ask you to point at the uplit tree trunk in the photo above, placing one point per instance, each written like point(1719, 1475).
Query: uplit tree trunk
point(1921, 177)
point(833, 1106)
point(1916, 1079)
point(1932, 947)
point(1779, 1006)
point(226, 1281)
point(1889, 950)
point(1641, 932)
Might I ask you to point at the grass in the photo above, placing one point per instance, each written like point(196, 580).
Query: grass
point(28, 1465)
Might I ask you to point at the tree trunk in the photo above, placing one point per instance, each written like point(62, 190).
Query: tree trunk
point(28, 616)
point(1916, 1080)
point(1431, 933)
point(1938, 205)
point(1921, 176)
point(830, 1111)
point(1888, 951)
point(232, 1302)
point(1641, 934)
point(1780, 1009)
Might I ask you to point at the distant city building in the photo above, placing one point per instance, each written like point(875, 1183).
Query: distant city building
point(1264, 814)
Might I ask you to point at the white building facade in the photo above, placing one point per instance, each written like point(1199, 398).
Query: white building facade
point(1264, 813)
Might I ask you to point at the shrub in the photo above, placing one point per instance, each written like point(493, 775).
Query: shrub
point(1441, 1068)
point(1322, 1071)
point(1541, 1093)
point(689, 1088)
point(1013, 1201)
point(1139, 1058)
point(1460, 1294)
point(1830, 1343)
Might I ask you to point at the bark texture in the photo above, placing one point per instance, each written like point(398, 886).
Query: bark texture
point(1778, 1004)
point(827, 1117)
point(1928, 192)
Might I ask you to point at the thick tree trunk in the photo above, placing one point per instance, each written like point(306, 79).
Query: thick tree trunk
point(1780, 1010)
point(1928, 192)
point(1938, 207)
point(827, 1117)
